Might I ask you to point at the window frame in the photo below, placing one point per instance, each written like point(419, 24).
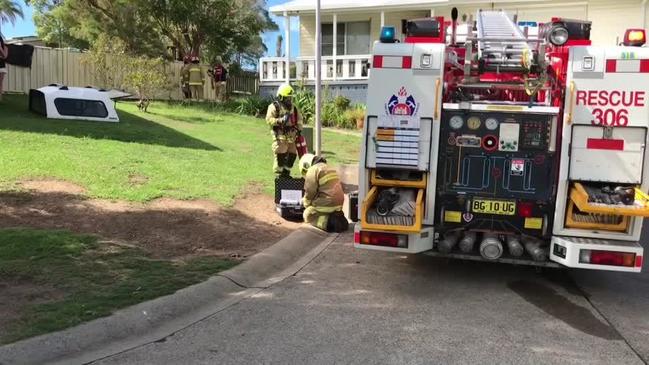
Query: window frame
point(85, 101)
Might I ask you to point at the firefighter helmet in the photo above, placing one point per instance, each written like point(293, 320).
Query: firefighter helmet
point(305, 163)
point(285, 91)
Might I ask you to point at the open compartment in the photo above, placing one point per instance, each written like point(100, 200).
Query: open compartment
point(576, 218)
point(588, 199)
point(399, 178)
point(379, 216)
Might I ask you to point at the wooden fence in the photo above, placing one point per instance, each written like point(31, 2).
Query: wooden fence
point(64, 66)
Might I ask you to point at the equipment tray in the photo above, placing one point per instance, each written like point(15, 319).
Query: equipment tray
point(580, 197)
point(368, 203)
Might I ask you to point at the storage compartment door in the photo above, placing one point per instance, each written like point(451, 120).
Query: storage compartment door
point(603, 154)
point(398, 142)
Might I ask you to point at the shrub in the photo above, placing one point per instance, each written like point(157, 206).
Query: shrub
point(355, 117)
point(342, 103)
point(253, 105)
point(106, 57)
point(145, 76)
point(304, 100)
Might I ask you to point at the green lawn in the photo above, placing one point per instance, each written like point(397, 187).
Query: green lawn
point(173, 151)
point(94, 278)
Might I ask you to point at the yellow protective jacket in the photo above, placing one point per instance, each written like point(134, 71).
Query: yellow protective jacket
point(195, 75)
point(322, 189)
point(275, 119)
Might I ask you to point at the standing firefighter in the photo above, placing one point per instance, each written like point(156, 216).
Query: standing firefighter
point(323, 195)
point(184, 77)
point(286, 124)
point(196, 79)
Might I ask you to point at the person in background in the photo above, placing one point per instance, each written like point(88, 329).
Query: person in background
point(323, 195)
point(4, 53)
point(184, 78)
point(219, 77)
point(196, 79)
point(286, 125)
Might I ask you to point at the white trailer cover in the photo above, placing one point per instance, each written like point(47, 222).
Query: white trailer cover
point(79, 103)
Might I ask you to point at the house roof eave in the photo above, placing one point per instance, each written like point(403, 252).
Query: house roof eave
point(301, 7)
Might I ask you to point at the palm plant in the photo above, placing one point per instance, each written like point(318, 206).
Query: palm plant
point(10, 11)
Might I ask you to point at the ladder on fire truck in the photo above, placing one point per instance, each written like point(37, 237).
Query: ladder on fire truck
point(500, 41)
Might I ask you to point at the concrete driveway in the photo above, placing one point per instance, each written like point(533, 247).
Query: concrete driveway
point(350, 306)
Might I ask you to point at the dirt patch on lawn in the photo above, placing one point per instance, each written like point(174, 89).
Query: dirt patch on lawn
point(52, 186)
point(16, 295)
point(166, 228)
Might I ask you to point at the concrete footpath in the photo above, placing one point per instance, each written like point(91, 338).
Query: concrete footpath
point(155, 320)
point(356, 306)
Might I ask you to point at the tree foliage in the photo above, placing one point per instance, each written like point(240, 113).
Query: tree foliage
point(226, 28)
point(106, 58)
point(146, 76)
point(113, 67)
point(10, 10)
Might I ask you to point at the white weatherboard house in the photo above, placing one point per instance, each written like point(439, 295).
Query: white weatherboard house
point(349, 28)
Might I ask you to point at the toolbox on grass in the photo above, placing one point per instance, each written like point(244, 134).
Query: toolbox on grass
point(288, 197)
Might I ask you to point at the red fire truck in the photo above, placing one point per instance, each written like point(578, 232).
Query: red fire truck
point(489, 141)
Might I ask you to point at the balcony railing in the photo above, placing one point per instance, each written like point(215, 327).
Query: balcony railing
point(340, 68)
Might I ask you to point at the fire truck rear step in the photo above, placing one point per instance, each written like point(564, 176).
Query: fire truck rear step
point(503, 260)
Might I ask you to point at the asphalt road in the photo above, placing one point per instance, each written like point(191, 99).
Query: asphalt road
point(351, 306)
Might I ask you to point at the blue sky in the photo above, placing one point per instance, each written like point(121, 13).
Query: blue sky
point(24, 27)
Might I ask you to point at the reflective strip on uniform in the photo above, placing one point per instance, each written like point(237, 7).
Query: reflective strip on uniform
point(322, 222)
point(328, 177)
point(328, 209)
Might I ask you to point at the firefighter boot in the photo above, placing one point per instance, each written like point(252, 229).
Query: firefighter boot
point(337, 222)
point(280, 162)
point(288, 163)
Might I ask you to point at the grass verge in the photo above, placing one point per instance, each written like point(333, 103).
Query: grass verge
point(175, 151)
point(90, 279)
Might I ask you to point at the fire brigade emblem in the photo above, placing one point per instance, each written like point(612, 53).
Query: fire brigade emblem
point(402, 104)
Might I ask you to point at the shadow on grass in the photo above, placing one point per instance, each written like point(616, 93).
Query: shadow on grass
point(15, 116)
point(188, 119)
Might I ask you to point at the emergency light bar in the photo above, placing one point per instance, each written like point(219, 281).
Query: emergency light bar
point(635, 37)
point(388, 35)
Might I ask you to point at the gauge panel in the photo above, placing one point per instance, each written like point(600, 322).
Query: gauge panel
point(473, 123)
point(491, 124)
point(456, 122)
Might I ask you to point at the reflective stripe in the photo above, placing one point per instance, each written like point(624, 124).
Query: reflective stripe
point(328, 177)
point(328, 209)
point(322, 222)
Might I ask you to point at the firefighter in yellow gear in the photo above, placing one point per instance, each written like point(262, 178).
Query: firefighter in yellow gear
point(196, 79)
point(286, 125)
point(323, 195)
point(184, 78)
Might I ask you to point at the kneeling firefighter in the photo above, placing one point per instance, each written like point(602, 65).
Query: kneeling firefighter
point(323, 195)
point(286, 124)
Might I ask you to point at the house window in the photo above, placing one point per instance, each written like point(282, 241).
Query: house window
point(357, 38)
point(328, 39)
point(353, 38)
